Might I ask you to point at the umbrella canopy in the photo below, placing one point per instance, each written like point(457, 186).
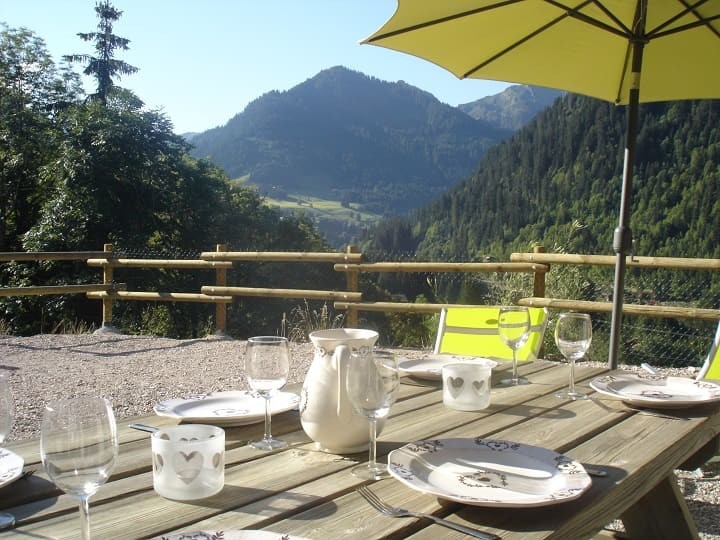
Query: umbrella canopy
point(622, 51)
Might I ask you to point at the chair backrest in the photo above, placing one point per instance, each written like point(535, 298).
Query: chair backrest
point(474, 332)
point(711, 367)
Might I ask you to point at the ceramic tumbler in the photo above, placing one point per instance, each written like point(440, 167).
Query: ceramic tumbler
point(466, 385)
point(188, 461)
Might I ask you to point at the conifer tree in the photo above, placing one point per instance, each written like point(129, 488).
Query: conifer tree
point(104, 66)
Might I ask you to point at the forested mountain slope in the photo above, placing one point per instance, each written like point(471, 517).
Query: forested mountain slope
point(566, 165)
point(385, 147)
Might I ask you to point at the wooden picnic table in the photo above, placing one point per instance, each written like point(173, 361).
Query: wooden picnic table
point(311, 494)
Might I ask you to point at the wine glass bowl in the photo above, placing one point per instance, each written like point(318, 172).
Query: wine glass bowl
point(514, 330)
point(79, 447)
point(267, 366)
point(573, 335)
point(371, 382)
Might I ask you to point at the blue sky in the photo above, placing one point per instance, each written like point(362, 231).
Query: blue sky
point(203, 61)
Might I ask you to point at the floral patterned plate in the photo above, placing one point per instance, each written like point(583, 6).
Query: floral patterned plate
point(228, 535)
point(233, 408)
point(11, 466)
point(430, 366)
point(666, 393)
point(489, 472)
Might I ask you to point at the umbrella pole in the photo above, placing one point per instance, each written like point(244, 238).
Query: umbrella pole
point(622, 238)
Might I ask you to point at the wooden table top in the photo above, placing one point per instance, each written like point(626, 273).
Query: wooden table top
point(311, 494)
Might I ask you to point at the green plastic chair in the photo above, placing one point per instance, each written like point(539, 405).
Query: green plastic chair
point(474, 332)
point(711, 367)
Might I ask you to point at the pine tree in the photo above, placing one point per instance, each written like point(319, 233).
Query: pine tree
point(104, 67)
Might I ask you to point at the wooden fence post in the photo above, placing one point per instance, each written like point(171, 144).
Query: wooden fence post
point(221, 308)
point(352, 277)
point(539, 290)
point(539, 279)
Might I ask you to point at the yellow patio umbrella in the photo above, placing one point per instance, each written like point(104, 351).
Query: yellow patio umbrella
point(622, 51)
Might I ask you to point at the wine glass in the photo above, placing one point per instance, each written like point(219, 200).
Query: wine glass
point(267, 365)
point(372, 380)
point(7, 414)
point(78, 447)
point(514, 330)
point(573, 334)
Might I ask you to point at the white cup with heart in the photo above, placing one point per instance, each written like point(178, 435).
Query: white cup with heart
point(466, 385)
point(188, 461)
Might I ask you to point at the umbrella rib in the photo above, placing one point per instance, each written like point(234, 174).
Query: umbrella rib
point(568, 12)
point(689, 9)
point(623, 31)
point(441, 20)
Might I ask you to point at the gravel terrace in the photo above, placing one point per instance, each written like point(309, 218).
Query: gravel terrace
point(135, 372)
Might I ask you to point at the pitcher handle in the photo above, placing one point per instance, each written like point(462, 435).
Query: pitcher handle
point(339, 363)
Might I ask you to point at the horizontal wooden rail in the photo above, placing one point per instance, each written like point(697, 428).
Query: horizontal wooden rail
point(162, 297)
point(42, 290)
point(609, 260)
point(159, 263)
point(280, 256)
point(657, 311)
point(283, 293)
point(50, 255)
point(396, 307)
point(442, 267)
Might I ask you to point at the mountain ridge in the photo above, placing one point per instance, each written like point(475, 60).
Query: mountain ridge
point(377, 148)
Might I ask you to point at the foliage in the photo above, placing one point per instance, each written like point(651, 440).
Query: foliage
point(32, 94)
point(93, 173)
point(104, 67)
point(303, 320)
point(565, 166)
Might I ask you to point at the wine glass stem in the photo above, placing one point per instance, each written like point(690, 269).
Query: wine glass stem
point(572, 375)
point(85, 518)
point(373, 439)
point(267, 435)
point(515, 371)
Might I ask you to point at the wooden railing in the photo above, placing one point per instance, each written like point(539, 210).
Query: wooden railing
point(41, 290)
point(424, 267)
point(656, 311)
point(350, 262)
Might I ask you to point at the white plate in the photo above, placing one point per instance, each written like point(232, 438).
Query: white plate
point(659, 393)
point(234, 408)
point(228, 535)
point(430, 366)
point(489, 472)
point(11, 466)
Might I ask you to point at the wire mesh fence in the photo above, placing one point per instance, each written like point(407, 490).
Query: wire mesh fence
point(658, 341)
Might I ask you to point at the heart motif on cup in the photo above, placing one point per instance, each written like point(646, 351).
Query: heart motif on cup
point(187, 466)
point(159, 462)
point(455, 385)
point(479, 386)
point(217, 460)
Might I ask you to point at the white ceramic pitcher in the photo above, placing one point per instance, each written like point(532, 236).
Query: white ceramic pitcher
point(326, 413)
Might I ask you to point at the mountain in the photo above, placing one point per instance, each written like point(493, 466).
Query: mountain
point(376, 146)
point(512, 108)
point(557, 181)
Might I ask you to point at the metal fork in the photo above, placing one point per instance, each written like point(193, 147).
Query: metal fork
point(391, 511)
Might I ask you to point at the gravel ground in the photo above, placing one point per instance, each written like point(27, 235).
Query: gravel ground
point(135, 372)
